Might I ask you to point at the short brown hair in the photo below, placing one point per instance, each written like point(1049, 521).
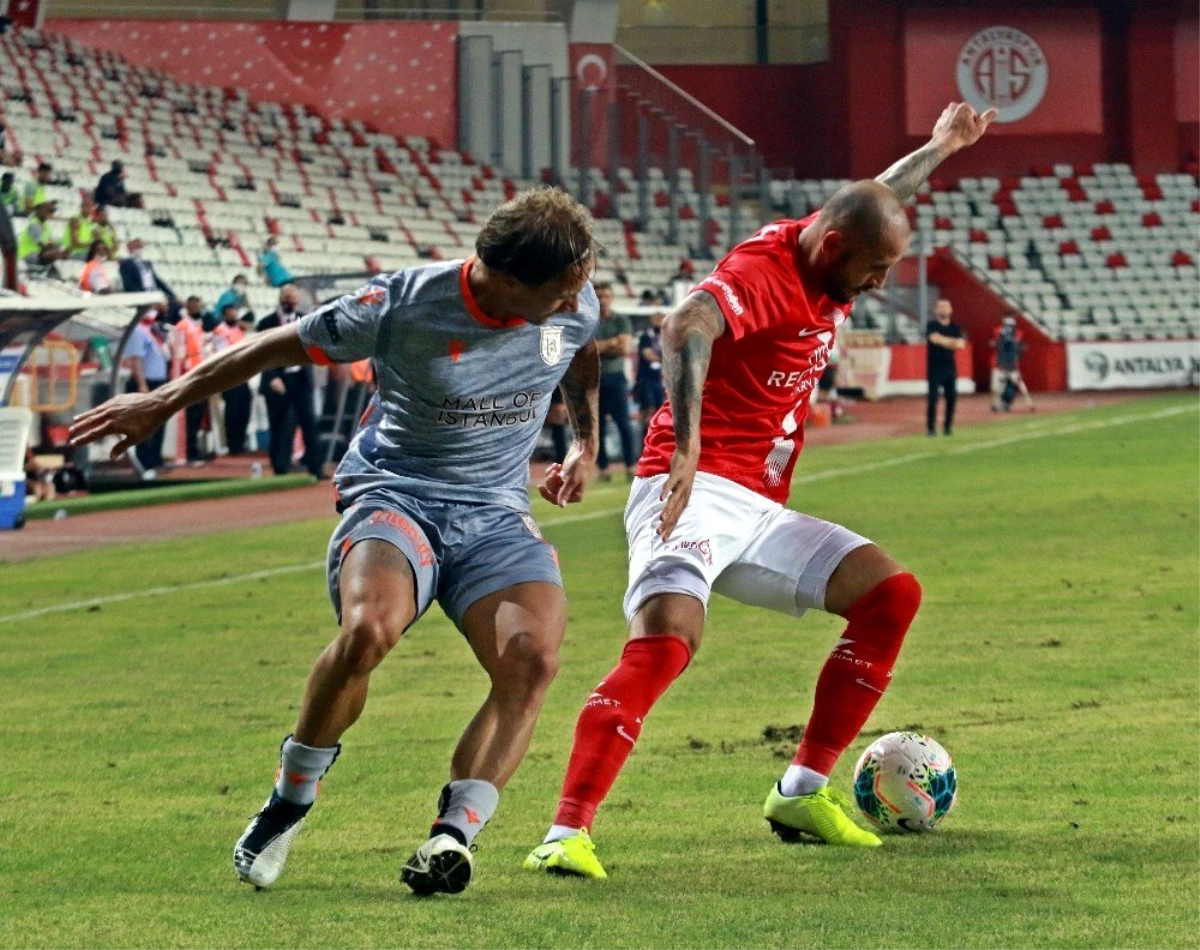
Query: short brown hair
point(538, 235)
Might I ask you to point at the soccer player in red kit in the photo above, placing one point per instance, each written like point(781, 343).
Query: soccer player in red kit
point(742, 355)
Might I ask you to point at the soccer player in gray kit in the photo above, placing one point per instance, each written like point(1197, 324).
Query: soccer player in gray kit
point(433, 498)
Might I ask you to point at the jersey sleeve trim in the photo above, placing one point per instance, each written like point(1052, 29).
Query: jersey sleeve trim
point(317, 355)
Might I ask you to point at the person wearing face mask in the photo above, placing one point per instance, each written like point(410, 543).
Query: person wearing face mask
point(289, 394)
point(233, 296)
point(138, 274)
point(237, 399)
point(270, 265)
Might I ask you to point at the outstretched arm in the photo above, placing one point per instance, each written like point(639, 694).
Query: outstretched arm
point(135, 416)
point(564, 484)
point(688, 334)
point(958, 127)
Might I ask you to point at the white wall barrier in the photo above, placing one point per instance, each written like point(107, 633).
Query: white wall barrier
point(1146, 364)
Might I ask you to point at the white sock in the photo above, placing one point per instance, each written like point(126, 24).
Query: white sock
point(799, 780)
point(558, 832)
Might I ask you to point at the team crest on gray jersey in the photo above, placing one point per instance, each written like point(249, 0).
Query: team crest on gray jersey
point(551, 348)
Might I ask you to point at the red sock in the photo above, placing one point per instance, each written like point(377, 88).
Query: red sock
point(858, 670)
point(611, 722)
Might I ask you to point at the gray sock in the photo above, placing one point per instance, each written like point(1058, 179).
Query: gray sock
point(464, 807)
point(300, 768)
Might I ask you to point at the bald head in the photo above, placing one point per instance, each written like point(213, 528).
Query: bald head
point(868, 213)
point(856, 239)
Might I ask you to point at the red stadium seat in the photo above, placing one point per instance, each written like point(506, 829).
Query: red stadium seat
point(1068, 247)
point(1115, 261)
point(1101, 234)
point(1152, 220)
point(1105, 207)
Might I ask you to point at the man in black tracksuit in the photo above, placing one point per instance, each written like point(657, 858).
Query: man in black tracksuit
point(944, 338)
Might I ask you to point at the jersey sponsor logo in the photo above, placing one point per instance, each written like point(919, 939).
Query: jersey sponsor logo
point(409, 530)
point(1003, 68)
point(329, 318)
point(488, 412)
point(625, 735)
point(703, 548)
point(455, 348)
point(531, 526)
point(727, 292)
point(372, 296)
point(551, 345)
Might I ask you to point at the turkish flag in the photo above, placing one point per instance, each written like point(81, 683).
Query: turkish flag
point(593, 88)
point(26, 12)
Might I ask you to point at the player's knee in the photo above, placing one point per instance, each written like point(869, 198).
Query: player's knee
point(528, 666)
point(368, 635)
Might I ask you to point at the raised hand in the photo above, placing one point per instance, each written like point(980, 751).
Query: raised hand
point(960, 126)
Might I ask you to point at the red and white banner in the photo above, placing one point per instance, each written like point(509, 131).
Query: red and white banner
point(896, 370)
point(29, 13)
point(1136, 365)
point(1039, 69)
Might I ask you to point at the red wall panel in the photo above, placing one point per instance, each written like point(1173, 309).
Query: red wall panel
point(399, 76)
point(1187, 69)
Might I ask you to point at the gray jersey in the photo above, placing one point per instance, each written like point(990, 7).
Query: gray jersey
point(461, 398)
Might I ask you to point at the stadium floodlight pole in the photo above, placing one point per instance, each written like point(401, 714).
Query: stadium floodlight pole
point(585, 146)
point(922, 242)
point(614, 156)
point(673, 178)
point(704, 166)
point(643, 166)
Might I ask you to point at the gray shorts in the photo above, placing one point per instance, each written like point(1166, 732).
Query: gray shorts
point(459, 553)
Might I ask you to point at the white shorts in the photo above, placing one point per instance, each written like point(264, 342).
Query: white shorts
point(735, 542)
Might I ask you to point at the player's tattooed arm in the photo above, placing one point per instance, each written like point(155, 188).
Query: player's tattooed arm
point(581, 393)
point(958, 127)
point(564, 482)
point(688, 334)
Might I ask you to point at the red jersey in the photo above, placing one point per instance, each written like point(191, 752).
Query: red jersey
point(763, 369)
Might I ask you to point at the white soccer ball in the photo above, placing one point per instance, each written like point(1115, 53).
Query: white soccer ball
point(905, 782)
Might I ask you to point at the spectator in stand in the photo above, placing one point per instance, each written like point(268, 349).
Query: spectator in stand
point(77, 242)
point(943, 339)
point(271, 267)
point(187, 352)
point(8, 156)
point(147, 356)
point(10, 196)
point(289, 395)
point(38, 245)
point(138, 274)
point(238, 400)
point(648, 386)
point(1006, 376)
point(102, 230)
point(233, 296)
point(34, 193)
point(194, 307)
point(95, 278)
point(614, 342)
point(110, 190)
point(8, 250)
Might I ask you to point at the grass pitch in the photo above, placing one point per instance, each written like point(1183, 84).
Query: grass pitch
point(1056, 656)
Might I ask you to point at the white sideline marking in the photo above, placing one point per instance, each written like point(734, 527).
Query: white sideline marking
point(607, 512)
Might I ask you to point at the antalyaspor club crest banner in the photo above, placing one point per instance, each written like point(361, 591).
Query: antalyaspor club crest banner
point(1039, 70)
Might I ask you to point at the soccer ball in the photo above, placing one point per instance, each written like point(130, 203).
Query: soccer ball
point(905, 781)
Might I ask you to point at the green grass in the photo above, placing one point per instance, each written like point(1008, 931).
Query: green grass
point(164, 495)
point(1056, 656)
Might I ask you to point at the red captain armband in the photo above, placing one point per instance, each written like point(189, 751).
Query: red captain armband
point(317, 355)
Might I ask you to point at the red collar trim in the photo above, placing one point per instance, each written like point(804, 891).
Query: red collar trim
point(473, 307)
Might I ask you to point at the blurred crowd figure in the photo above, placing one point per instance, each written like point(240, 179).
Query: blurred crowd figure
point(1006, 374)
